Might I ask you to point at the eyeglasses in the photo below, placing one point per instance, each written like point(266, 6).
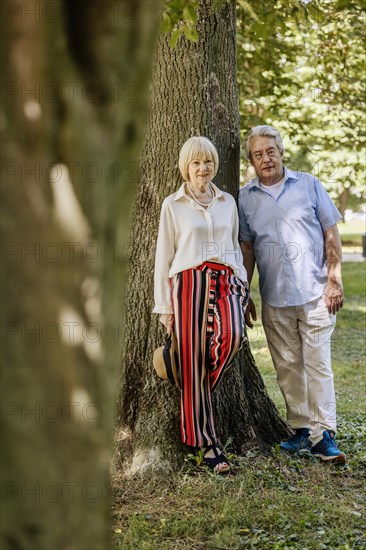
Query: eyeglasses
point(271, 154)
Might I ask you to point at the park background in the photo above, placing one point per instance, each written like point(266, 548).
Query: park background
point(97, 99)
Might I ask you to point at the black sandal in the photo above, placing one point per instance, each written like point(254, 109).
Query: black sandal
point(213, 462)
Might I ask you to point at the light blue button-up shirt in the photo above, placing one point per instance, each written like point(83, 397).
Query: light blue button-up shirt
point(287, 233)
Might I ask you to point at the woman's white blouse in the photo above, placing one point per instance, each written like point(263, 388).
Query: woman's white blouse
point(190, 235)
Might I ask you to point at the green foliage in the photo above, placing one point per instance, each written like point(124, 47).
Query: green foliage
point(248, 9)
point(299, 69)
point(180, 18)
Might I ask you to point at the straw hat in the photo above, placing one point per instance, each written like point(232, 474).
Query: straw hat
point(166, 361)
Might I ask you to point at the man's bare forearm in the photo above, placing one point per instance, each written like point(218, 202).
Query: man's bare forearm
point(334, 289)
point(333, 252)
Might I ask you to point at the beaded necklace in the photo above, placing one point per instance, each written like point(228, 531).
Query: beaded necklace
point(199, 202)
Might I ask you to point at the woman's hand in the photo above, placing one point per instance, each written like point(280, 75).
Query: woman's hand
point(168, 321)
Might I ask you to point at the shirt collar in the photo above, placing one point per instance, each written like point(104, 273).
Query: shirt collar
point(181, 192)
point(288, 175)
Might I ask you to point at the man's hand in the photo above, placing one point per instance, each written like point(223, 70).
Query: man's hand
point(168, 321)
point(250, 313)
point(334, 295)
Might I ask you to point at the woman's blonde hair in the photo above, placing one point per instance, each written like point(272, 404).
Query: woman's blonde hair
point(197, 147)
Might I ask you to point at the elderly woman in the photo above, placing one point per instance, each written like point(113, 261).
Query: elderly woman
point(201, 290)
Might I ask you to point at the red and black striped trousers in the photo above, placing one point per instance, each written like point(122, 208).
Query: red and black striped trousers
point(209, 304)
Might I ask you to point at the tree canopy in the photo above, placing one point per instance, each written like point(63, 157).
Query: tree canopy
point(300, 67)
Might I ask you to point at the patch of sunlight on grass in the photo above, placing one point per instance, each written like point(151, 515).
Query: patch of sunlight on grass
point(354, 307)
point(353, 227)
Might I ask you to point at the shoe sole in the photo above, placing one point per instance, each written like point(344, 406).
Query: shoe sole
point(339, 459)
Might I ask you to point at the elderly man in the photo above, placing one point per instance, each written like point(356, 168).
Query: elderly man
point(288, 226)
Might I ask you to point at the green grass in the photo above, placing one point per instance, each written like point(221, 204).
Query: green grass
point(351, 236)
point(268, 502)
point(353, 227)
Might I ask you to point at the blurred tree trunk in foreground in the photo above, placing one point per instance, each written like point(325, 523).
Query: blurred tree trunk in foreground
point(194, 91)
point(74, 87)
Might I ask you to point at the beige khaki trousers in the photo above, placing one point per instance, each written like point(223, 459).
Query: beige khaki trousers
point(298, 338)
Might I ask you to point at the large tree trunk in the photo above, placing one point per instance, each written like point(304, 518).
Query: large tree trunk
point(74, 87)
point(194, 91)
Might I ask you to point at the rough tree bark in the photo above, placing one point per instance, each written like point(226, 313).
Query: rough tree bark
point(194, 91)
point(74, 79)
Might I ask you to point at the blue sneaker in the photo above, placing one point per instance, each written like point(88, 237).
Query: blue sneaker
point(327, 450)
point(298, 443)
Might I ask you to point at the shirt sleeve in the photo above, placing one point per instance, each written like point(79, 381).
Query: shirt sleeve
point(244, 231)
point(242, 274)
point(165, 251)
point(326, 211)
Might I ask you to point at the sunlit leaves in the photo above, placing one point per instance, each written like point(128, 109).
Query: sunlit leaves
point(190, 13)
point(247, 9)
point(300, 67)
point(175, 36)
point(302, 73)
point(180, 19)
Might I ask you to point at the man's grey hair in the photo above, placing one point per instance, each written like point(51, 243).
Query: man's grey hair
point(268, 131)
